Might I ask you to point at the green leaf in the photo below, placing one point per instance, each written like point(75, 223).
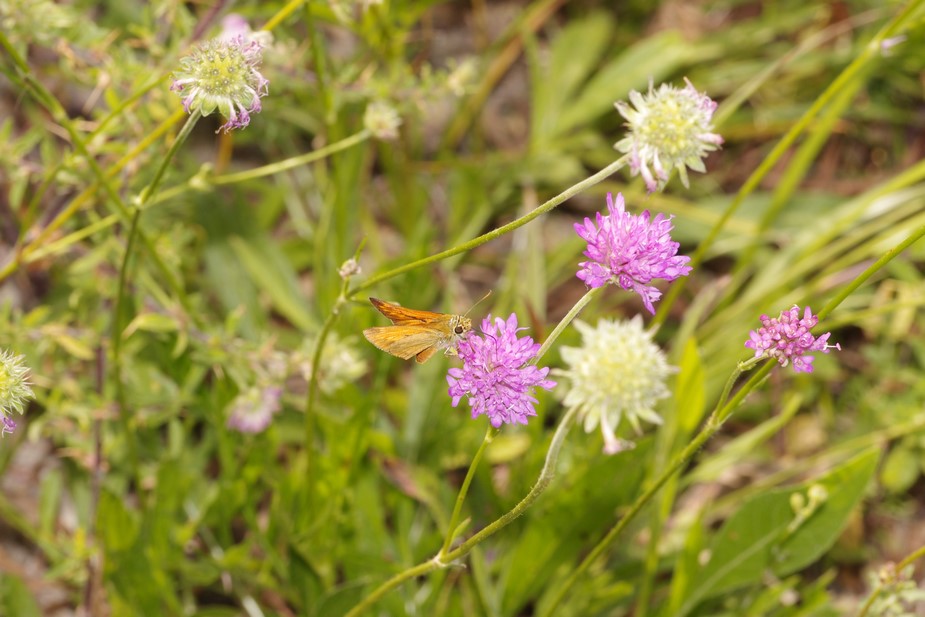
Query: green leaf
point(118, 528)
point(900, 470)
point(575, 53)
point(690, 391)
point(152, 322)
point(845, 487)
point(15, 598)
point(272, 274)
point(759, 537)
point(652, 58)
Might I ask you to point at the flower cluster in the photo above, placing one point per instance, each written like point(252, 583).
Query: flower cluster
point(14, 389)
point(788, 339)
point(263, 373)
point(670, 128)
point(381, 120)
point(630, 251)
point(252, 410)
point(617, 372)
point(496, 376)
point(222, 74)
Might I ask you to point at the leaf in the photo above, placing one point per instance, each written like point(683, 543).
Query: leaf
point(756, 538)
point(652, 58)
point(575, 53)
point(845, 487)
point(152, 322)
point(690, 389)
point(271, 273)
point(900, 470)
point(576, 511)
point(118, 528)
point(15, 598)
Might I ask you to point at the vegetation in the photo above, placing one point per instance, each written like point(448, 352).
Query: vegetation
point(197, 204)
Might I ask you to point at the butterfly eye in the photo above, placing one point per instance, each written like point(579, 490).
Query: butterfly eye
point(459, 330)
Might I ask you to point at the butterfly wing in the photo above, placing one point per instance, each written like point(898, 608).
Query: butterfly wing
point(420, 342)
point(401, 316)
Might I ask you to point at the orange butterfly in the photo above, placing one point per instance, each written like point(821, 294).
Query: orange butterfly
point(416, 333)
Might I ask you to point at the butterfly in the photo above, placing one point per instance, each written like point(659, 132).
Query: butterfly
point(415, 333)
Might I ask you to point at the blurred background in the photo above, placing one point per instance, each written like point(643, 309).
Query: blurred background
point(126, 490)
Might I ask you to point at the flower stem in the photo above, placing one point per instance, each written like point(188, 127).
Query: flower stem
point(464, 490)
point(898, 568)
point(116, 334)
point(869, 271)
point(296, 161)
point(713, 424)
point(563, 324)
point(869, 52)
point(546, 475)
point(443, 559)
point(313, 390)
point(495, 233)
point(282, 14)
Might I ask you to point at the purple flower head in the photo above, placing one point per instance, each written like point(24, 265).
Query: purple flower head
point(222, 74)
point(8, 426)
point(495, 375)
point(788, 339)
point(630, 251)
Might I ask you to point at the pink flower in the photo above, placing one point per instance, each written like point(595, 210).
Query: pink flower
point(8, 426)
point(222, 74)
point(788, 339)
point(630, 251)
point(495, 375)
point(252, 410)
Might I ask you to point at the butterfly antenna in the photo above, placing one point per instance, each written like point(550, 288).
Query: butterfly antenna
point(477, 303)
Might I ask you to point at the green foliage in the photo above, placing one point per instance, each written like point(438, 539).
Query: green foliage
point(144, 497)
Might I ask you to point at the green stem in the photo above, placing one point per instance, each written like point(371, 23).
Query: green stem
point(316, 43)
point(897, 569)
point(282, 14)
point(495, 233)
point(275, 168)
point(57, 111)
point(871, 50)
point(713, 424)
point(869, 271)
point(443, 559)
point(116, 337)
point(464, 490)
point(116, 334)
point(313, 390)
point(572, 314)
point(419, 570)
point(546, 475)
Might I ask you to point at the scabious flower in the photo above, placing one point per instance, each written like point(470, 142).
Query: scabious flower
point(222, 74)
point(670, 128)
point(252, 410)
point(14, 389)
point(630, 251)
point(788, 339)
point(495, 375)
point(617, 372)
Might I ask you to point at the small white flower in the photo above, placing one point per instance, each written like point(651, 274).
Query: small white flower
point(618, 371)
point(341, 363)
point(670, 128)
point(381, 120)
